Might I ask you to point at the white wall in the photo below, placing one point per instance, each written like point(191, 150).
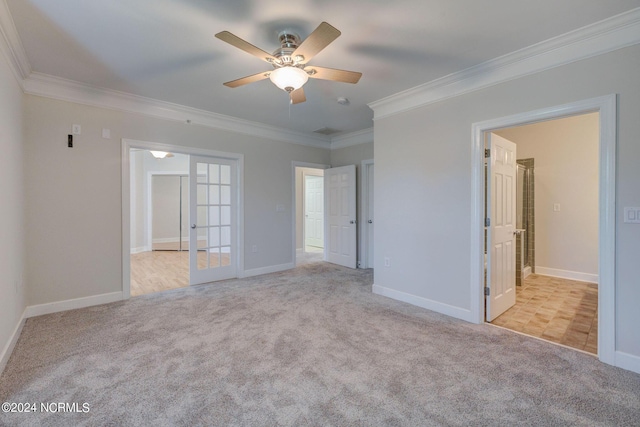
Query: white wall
point(352, 155)
point(565, 152)
point(423, 183)
point(12, 210)
point(74, 194)
point(142, 164)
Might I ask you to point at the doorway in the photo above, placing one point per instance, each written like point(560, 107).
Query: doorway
point(557, 200)
point(606, 106)
point(210, 223)
point(159, 204)
point(309, 214)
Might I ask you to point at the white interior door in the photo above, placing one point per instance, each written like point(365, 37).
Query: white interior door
point(501, 211)
point(213, 208)
point(340, 217)
point(314, 211)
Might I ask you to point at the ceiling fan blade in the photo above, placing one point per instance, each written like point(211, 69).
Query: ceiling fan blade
point(236, 41)
point(333, 74)
point(317, 40)
point(297, 96)
point(249, 79)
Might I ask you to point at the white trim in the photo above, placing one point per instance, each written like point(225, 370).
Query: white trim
point(8, 348)
point(72, 304)
point(566, 274)
point(436, 306)
point(614, 33)
point(364, 213)
point(68, 90)
point(606, 106)
point(350, 139)
point(294, 165)
point(125, 191)
point(11, 45)
point(268, 269)
point(627, 361)
point(127, 145)
point(169, 240)
point(140, 249)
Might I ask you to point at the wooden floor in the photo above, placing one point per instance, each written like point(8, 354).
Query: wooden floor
point(162, 270)
point(157, 271)
point(557, 310)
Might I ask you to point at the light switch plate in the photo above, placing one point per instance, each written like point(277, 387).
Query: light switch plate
point(632, 215)
point(76, 129)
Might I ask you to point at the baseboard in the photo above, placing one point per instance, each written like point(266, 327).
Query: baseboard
point(8, 349)
point(170, 240)
point(139, 250)
point(267, 270)
point(628, 361)
point(71, 304)
point(436, 306)
point(566, 274)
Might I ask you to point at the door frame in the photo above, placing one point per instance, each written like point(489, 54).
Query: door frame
point(606, 106)
point(126, 146)
point(294, 203)
point(364, 214)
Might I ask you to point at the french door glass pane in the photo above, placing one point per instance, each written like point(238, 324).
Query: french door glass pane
point(213, 215)
point(214, 174)
point(225, 174)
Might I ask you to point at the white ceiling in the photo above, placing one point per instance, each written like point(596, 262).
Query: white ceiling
point(166, 49)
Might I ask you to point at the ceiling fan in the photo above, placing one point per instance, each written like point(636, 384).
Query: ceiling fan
point(290, 62)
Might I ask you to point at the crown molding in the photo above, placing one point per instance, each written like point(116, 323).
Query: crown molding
point(352, 138)
point(68, 90)
point(614, 33)
point(57, 88)
point(11, 45)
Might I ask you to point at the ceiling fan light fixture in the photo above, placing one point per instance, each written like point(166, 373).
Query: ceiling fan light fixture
point(289, 78)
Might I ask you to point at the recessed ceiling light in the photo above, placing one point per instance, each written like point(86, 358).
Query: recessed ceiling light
point(343, 101)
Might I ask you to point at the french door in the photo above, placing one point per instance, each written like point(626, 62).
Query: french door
point(213, 203)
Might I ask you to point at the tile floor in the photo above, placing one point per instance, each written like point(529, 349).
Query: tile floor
point(558, 310)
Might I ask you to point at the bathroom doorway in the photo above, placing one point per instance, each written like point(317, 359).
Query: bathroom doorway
point(556, 235)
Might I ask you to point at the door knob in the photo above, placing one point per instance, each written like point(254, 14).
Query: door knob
point(370, 221)
point(193, 226)
point(352, 222)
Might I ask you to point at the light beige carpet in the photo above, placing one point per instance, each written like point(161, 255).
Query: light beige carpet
point(311, 346)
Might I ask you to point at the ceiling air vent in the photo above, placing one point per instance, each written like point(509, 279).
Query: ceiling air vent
point(326, 131)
